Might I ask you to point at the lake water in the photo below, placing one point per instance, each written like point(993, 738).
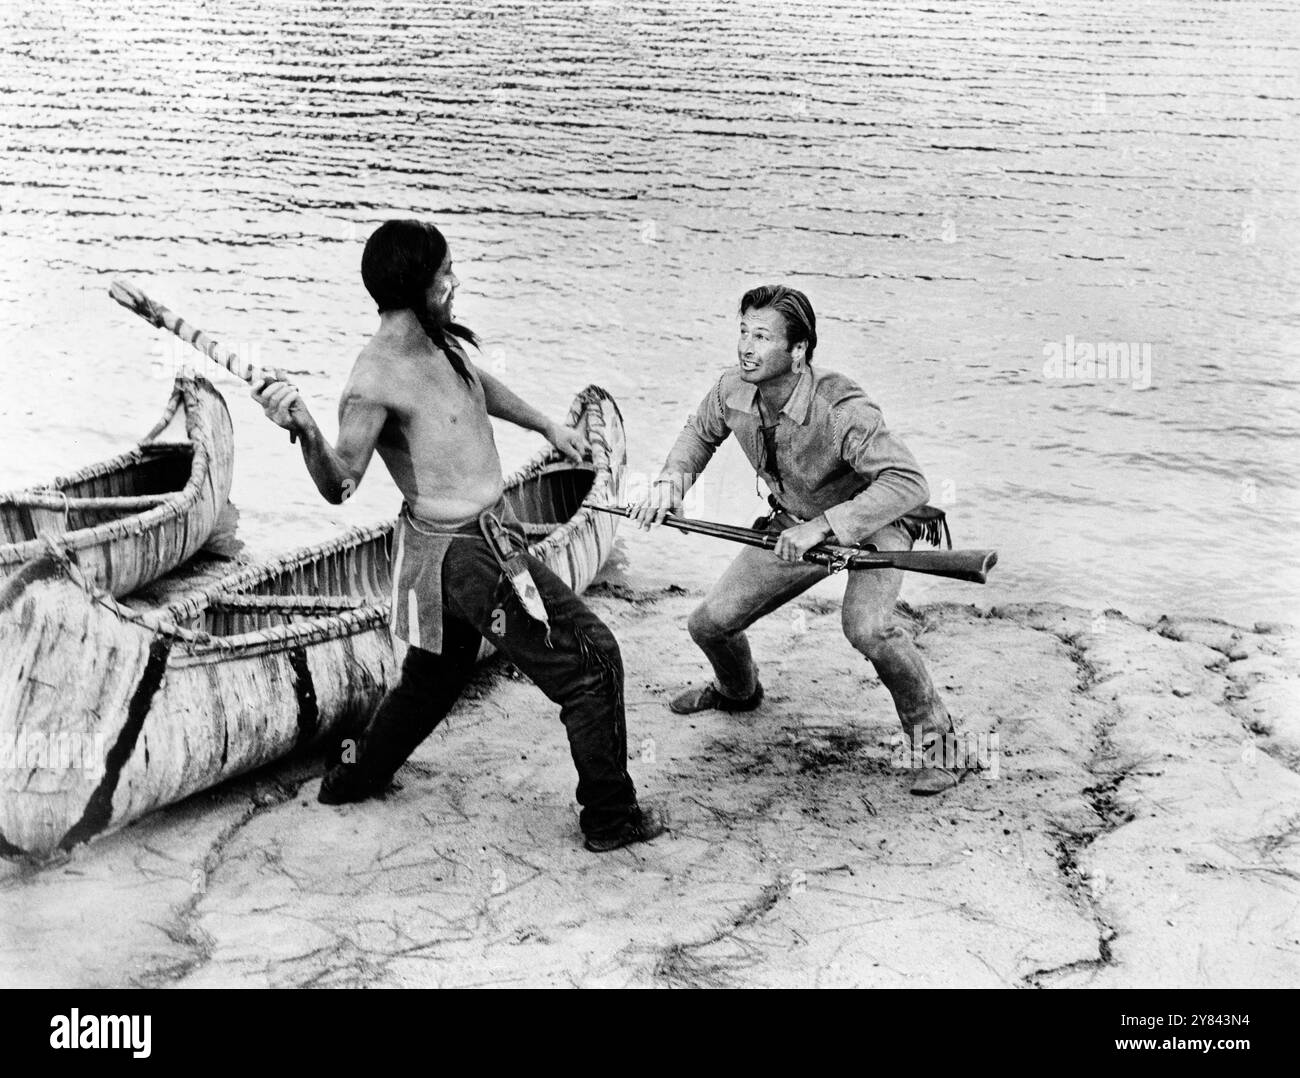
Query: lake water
point(962, 190)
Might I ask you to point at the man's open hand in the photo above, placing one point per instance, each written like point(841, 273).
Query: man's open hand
point(793, 543)
point(569, 442)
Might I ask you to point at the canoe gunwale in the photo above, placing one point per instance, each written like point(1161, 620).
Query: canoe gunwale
point(211, 707)
point(197, 647)
point(591, 398)
point(250, 576)
point(204, 411)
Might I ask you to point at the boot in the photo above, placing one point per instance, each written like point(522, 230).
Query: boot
point(921, 712)
point(707, 698)
point(935, 778)
point(645, 823)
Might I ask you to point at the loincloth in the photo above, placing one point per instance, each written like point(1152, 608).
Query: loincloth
point(419, 549)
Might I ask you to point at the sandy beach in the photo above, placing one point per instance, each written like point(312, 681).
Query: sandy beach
point(1140, 830)
point(1057, 245)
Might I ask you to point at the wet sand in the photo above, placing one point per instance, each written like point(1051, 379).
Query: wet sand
point(1141, 830)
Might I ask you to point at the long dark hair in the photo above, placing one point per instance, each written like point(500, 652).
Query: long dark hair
point(399, 264)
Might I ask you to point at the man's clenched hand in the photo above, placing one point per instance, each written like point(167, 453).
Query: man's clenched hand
point(793, 543)
point(282, 403)
point(660, 500)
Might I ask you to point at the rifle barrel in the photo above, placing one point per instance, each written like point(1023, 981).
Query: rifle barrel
point(971, 565)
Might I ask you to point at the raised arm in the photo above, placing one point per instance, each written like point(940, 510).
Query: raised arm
point(503, 403)
point(336, 470)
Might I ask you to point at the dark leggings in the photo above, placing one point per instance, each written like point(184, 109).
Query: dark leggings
point(580, 669)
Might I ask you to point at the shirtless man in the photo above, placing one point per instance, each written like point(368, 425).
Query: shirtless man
point(414, 395)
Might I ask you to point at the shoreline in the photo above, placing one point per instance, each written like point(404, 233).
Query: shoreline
point(1141, 831)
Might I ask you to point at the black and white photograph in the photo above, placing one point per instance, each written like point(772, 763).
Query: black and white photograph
point(729, 494)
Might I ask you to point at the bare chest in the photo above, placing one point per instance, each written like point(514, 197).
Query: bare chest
point(433, 408)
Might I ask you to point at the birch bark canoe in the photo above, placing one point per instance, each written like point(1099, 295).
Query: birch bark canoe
point(108, 713)
point(128, 520)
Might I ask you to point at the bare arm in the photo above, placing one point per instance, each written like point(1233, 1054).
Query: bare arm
point(503, 403)
point(336, 470)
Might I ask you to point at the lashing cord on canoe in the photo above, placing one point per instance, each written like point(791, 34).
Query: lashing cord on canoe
point(182, 501)
point(195, 640)
point(169, 413)
point(587, 403)
point(55, 493)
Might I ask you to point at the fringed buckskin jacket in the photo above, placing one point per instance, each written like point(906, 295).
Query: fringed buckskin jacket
point(833, 452)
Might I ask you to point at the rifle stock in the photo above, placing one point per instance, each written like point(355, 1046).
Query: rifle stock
point(972, 565)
